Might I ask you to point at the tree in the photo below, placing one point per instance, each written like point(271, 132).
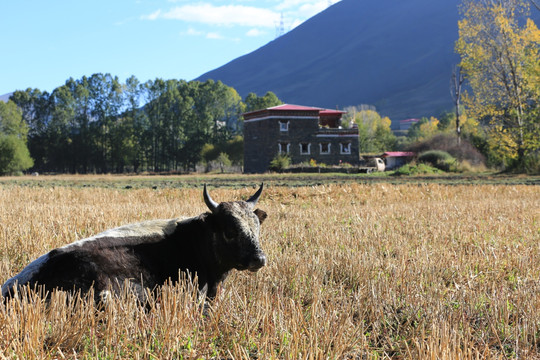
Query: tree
point(223, 161)
point(500, 59)
point(254, 102)
point(35, 107)
point(234, 148)
point(457, 82)
point(14, 154)
point(374, 131)
point(424, 129)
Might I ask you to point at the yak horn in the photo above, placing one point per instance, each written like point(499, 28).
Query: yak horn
point(212, 205)
point(253, 200)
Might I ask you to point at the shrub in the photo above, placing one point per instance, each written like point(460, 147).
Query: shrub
point(466, 166)
point(280, 162)
point(416, 169)
point(439, 159)
point(530, 164)
point(448, 143)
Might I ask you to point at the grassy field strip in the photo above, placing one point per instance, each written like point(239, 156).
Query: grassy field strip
point(241, 181)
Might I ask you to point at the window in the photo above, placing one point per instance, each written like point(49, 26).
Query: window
point(325, 148)
point(283, 126)
point(284, 147)
point(345, 148)
point(305, 148)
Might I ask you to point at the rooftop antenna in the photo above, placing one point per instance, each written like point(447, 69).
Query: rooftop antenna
point(280, 29)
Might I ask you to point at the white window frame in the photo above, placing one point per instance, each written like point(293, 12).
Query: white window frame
point(308, 149)
point(280, 147)
point(283, 126)
point(325, 152)
point(345, 148)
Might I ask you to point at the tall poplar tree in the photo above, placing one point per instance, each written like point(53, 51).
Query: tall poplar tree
point(500, 57)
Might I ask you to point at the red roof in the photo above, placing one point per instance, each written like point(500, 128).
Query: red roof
point(326, 112)
point(294, 108)
point(398, 154)
point(291, 107)
point(409, 120)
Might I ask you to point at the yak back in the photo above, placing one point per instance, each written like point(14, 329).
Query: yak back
point(146, 261)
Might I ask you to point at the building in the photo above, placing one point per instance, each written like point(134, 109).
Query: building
point(396, 159)
point(302, 132)
point(407, 123)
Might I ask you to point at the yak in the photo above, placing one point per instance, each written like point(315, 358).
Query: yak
point(149, 254)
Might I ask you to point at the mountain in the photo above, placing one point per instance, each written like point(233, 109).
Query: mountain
point(395, 54)
point(5, 97)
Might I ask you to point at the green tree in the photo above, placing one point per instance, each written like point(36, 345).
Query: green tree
point(105, 92)
point(134, 124)
point(223, 161)
point(215, 113)
point(254, 102)
point(374, 131)
point(14, 154)
point(35, 107)
point(424, 129)
point(500, 58)
point(234, 148)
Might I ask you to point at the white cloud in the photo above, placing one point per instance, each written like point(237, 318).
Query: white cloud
point(295, 12)
point(214, 36)
point(259, 16)
point(153, 16)
point(226, 15)
point(193, 32)
point(295, 4)
point(255, 32)
point(312, 8)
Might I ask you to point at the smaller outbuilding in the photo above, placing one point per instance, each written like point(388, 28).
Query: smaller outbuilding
point(396, 159)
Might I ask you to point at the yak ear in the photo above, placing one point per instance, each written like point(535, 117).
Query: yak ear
point(261, 215)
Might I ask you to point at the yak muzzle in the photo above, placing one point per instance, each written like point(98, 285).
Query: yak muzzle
point(257, 262)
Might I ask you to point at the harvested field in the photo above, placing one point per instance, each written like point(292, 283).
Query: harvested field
point(355, 271)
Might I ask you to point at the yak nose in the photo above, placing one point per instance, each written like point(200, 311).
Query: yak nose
point(257, 262)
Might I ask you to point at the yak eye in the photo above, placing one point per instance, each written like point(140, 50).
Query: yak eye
point(229, 234)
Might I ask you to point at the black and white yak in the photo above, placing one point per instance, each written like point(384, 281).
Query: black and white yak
point(149, 254)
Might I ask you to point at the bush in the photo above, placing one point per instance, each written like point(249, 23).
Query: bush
point(530, 164)
point(234, 148)
point(465, 166)
point(280, 162)
point(416, 169)
point(439, 159)
point(448, 143)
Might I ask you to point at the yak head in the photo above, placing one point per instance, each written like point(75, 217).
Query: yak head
point(236, 232)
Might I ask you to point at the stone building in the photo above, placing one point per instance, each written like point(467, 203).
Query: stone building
point(302, 132)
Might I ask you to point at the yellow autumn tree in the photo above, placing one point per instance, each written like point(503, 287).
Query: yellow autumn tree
point(500, 48)
point(468, 125)
point(424, 129)
point(374, 133)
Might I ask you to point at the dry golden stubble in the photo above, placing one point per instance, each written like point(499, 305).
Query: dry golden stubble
point(354, 271)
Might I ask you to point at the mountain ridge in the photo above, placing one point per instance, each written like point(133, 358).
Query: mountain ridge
point(396, 55)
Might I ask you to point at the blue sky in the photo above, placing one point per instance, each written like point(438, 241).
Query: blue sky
point(46, 42)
